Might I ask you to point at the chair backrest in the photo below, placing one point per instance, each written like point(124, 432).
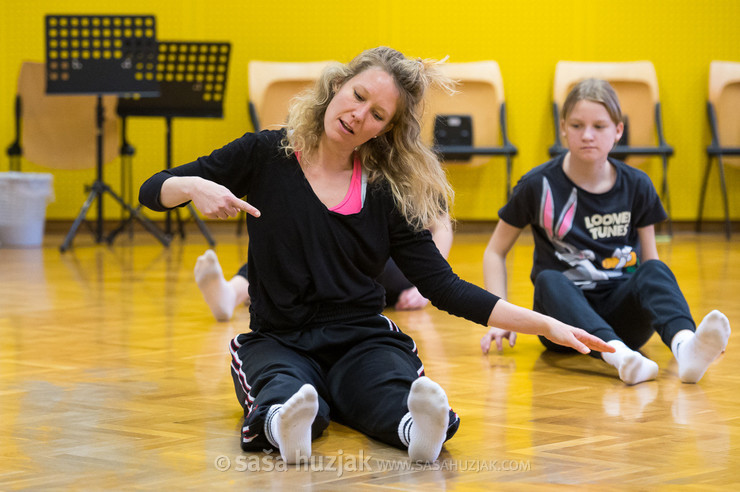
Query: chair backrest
point(272, 85)
point(724, 94)
point(480, 93)
point(59, 131)
point(636, 85)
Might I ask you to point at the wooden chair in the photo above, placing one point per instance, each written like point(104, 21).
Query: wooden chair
point(58, 131)
point(479, 108)
point(723, 111)
point(636, 85)
point(272, 85)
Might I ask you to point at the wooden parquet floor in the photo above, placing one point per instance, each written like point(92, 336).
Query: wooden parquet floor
point(114, 376)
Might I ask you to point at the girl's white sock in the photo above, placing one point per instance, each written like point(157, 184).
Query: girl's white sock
point(694, 352)
point(633, 367)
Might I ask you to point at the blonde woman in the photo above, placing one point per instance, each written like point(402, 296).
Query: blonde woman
point(345, 186)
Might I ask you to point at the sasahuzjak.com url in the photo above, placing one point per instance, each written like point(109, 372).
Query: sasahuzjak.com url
point(475, 466)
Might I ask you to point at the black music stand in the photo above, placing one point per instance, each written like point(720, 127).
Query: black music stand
point(192, 82)
point(101, 54)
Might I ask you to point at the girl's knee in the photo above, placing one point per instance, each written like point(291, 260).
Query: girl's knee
point(654, 268)
point(549, 285)
point(551, 281)
point(550, 276)
point(653, 265)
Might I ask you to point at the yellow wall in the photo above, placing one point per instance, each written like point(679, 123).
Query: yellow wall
point(527, 38)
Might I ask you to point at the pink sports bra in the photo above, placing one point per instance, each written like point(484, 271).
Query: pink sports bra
point(352, 202)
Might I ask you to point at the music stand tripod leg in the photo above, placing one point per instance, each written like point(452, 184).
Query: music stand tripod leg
point(97, 187)
point(202, 226)
point(126, 223)
point(135, 213)
point(180, 224)
point(94, 193)
point(168, 164)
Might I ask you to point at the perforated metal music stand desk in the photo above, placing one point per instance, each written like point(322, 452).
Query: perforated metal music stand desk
point(102, 54)
point(192, 81)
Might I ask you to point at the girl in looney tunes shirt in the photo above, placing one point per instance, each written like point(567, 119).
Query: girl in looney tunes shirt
point(595, 262)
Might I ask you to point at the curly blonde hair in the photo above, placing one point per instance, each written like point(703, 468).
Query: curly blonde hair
point(413, 171)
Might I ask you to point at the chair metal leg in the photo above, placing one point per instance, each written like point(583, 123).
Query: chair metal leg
point(666, 194)
point(703, 193)
point(14, 163)
point(728, 227)
point(508, 177)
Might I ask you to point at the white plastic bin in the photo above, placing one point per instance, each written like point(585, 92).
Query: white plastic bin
point(23, 200)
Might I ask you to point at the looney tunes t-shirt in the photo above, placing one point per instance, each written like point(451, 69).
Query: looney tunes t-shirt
point(591, 238)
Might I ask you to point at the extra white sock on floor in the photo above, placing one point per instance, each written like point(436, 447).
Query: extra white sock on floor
point(430, 416)
point(696, 351)
point(217, 292)
point(288, 426)
point(633, 367)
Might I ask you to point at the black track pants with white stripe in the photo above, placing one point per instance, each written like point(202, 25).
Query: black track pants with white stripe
point(362, 370)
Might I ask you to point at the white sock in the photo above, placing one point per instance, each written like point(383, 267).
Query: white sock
point(289, 425)
point(217, 292)
point(696, 351)
point(633, 367)
point(430, 416)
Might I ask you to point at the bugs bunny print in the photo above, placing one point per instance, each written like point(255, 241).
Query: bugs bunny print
point(583, 271)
